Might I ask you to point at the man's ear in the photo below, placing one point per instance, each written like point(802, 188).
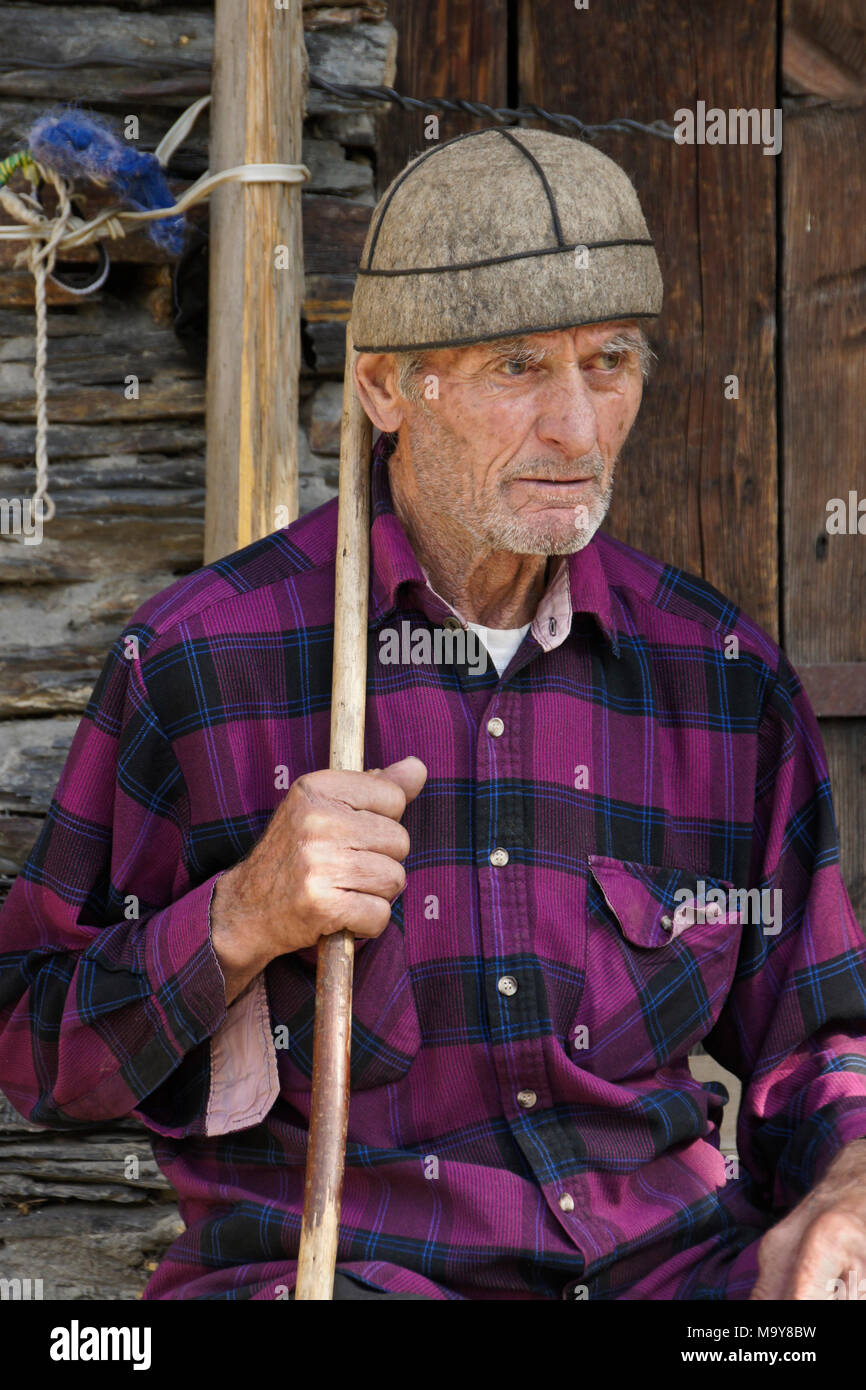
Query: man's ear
point(376, 383)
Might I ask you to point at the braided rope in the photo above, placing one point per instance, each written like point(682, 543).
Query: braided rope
point(64, 230)
point(40, 259)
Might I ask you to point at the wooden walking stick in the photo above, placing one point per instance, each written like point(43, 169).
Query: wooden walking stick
point(329, 1109)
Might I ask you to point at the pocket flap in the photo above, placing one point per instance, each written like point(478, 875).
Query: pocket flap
point(654, 904)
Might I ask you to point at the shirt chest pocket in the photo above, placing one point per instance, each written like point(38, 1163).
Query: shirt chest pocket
point(385, 1033)
point(662, 946)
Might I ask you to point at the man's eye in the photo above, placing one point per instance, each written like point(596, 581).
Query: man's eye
point(608, 361)
point(519, 364)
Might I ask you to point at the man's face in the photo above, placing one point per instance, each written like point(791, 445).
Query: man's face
point(520, 444)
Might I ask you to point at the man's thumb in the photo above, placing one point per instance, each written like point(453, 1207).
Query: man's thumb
point(410, 774)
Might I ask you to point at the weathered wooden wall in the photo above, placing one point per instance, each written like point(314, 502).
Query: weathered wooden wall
point(128, 479)
point(822, 304)
point(764, 260)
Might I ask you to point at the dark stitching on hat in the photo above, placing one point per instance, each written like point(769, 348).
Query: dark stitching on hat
point(467, 135)
point(495, 337)
point(554, 211)
point(513, 256)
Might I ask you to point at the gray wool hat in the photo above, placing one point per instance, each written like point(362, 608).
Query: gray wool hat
point(481, 238)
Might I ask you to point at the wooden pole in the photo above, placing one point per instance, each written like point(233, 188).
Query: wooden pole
point(256, 275)
point(329, 1107)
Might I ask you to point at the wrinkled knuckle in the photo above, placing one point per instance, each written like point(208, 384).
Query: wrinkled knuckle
point(829, 1227)
point(316, 823)
point(314, 891)
point(381, 914)
point(305, 856)
point(301, 785)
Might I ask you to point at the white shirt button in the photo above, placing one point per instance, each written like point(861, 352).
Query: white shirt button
point(566, 1201)
point(527, 1099)
point(452, 624)
point(499, 857)
point(495, 726)
point(507, 985)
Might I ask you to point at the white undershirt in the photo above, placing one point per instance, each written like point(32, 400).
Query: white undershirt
point(501, 642)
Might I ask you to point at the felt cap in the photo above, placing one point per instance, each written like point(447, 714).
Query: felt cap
point(502, 232)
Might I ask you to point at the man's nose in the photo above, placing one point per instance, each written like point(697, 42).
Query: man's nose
point(567, 416)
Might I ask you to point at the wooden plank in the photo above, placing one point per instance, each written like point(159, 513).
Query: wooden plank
point(697, 483)
point(824, 341)
point(836, 690)
point(125, 446)
point(330, 16)
point(166, 58)
point(824, 48)
point(165, 55)
point(445, 48)
point(334, 232)
point(120, 1167)
point(328, 298)
point(254, 311)
point(89, 378)
point(845, 746)
point(135, 531)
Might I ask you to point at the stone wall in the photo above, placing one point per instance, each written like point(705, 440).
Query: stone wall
point(89, 1214)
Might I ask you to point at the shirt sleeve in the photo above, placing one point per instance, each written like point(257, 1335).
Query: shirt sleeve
point(794, 1025)
point(110, 989)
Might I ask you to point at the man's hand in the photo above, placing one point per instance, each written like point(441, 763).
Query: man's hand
point(331, 858)
point(823, 1240)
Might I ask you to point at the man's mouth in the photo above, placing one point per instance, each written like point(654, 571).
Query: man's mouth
point(563, 485)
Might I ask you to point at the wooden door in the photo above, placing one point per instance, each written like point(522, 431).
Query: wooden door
point(753, 418)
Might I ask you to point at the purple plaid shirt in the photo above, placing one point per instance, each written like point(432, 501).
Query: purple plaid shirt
point(596, 831)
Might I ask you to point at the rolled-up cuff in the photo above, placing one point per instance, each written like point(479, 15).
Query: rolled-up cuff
point(243, 1063)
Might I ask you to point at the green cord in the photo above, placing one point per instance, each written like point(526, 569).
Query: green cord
point(21, 159)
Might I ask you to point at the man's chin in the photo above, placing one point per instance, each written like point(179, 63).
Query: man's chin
point(523, 539)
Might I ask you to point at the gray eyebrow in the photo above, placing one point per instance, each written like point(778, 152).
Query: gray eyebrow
point(631, 340)
point(517, 347)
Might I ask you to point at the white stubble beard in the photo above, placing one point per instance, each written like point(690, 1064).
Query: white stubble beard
point(498, 527)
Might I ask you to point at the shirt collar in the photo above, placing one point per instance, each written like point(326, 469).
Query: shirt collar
point(579, 585)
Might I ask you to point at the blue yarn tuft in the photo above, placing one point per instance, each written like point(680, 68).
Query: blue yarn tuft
point(76, 143)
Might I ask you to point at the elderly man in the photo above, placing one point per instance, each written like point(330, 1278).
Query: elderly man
point(565, 867)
